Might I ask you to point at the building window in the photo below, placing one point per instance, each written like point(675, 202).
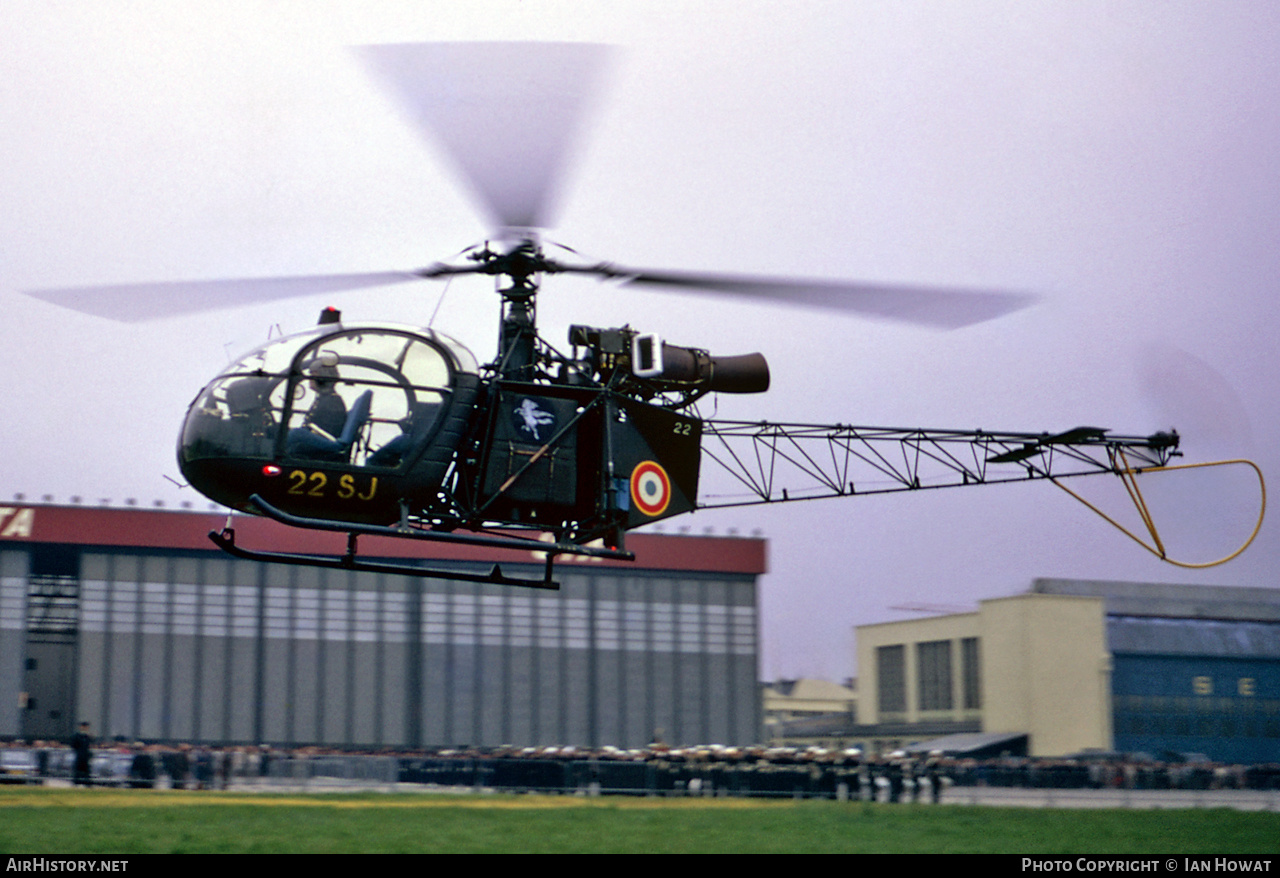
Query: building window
point(891, 667)
point(933, 664)
point(972, 677)
point(53, 592)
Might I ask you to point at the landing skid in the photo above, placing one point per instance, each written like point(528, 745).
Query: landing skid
point(226, 540)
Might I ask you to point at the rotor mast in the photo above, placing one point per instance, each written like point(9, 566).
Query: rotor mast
point(516, 271)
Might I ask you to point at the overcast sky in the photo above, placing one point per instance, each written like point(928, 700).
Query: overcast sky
point(1116, 158)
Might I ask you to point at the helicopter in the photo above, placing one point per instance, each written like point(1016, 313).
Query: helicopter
point(376, 429)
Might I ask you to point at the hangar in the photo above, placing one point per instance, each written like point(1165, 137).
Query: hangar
point(132, 620)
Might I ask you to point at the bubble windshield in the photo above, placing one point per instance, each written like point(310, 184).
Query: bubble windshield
point(362, 396)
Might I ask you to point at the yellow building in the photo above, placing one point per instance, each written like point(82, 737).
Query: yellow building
point(802, 711)
point(1033, 663)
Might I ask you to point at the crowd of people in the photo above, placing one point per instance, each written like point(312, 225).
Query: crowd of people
point(656, 769)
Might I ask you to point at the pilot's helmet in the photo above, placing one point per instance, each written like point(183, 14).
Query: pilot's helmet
point(322, 375)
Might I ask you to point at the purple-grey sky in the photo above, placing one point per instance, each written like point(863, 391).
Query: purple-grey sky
point(1116, 158)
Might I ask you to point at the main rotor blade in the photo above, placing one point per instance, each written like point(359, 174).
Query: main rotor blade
point(508, 114)
point(927, 306)
point(135, 303)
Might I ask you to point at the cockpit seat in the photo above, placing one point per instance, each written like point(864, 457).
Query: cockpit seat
point(248, 396)
point(312, 443)
point(415, 427)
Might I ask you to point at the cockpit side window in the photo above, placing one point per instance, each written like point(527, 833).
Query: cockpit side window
point(232, 418)
point(365, 398)
point(238, 414)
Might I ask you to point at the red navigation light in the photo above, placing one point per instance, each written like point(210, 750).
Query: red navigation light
point(271, 469)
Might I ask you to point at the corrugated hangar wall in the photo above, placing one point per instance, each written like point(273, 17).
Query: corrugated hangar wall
point(1197, 686)
point(13, 588)
point(192, 646)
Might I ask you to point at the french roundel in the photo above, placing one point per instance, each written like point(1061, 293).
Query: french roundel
point(650, 488)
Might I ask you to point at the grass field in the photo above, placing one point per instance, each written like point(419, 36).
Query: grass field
point(66, 821)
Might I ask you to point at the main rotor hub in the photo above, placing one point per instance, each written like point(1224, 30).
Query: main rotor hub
point(519, 263)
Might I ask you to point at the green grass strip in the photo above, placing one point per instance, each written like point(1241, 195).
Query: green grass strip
point(65, 821)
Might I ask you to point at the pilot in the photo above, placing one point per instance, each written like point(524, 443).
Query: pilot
point(328, 412)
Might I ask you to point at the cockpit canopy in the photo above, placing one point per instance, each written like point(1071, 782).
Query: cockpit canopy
point(369, 398)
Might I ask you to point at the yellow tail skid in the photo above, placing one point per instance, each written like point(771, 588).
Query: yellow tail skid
point(1129, 477)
